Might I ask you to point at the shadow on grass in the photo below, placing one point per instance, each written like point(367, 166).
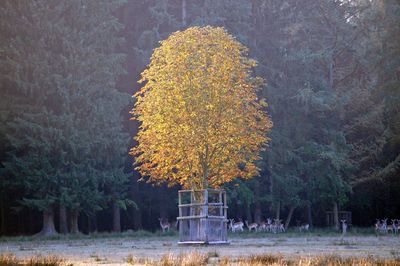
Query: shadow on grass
point(126, 234)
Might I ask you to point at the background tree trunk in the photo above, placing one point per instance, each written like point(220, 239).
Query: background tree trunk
point(63, 220)
point(136, 214)
point(289, 217)
point(309, 214)
point(331, 73)
point(2, 218)
point(257, 204)
point(336, 215)
point(92, 223)
point(116, 218)
point(48, 228)
point(278, 210)
point(248, 213)
point(271, 192)
point(184, 13)
point(73, 227)
point(32, 219)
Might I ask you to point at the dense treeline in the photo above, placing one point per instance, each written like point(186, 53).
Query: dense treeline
point(68, 69)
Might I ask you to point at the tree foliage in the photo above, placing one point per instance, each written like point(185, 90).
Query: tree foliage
point(201, 122)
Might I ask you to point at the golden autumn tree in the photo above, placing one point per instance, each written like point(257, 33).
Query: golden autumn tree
point(201, 122)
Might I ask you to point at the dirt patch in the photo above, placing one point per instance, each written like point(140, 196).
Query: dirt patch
point(117, 251)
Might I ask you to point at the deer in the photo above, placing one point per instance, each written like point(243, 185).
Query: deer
point(384, 226)
point(251, 226)
point(262, 226)
point(378, 225)
point(269, 225)
point(304, 227)
point(282, 228)
point(278, 226)
point(392, 227)
point(236, 226)
point(344, 226)
point(165, 225)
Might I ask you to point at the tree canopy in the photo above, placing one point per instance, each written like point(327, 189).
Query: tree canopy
point(201, 121)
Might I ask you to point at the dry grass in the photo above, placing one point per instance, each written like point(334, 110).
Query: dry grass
point(189, 259)
point(330, 260)
point(10, 260)
point(194, 259)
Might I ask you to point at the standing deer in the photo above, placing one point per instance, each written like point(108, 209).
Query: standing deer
point(236, 226)
point(304, 227)
point(384, 226)
point(277, 226)
point(392, 227)
point(269, 225)
point(165, 225)
point(251, 226)
point(262, 226)
point(378, 225)
point(344, 226)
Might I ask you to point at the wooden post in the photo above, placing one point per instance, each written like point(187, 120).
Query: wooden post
point(203, 224)
point(225, 209)
point(206, 214)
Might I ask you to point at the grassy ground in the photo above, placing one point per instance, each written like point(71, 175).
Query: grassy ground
point(356, 231)
point(318, 247)
point(292, 232)
point(196, 259)
point(127, 234)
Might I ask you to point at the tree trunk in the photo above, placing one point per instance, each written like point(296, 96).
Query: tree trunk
point(184, 13)
point(92, 223)
point(48, 228)
point(331, 66)
point(73, 226)
point(32, 220)
point(271, 191)
point(116, 218)
point(63, 220)
point(248, 213)
point(278, 210)
point(163, 203)
point(336, 215)
point(291, 210)
point(257, 205)
point(20, 222)
point(134, 195)
point(2, 218)
point(309, 214)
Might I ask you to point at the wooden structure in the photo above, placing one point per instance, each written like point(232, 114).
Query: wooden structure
point(343, 215)
point(202, 217)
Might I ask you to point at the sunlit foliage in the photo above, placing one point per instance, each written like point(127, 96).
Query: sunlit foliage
point(201, 122)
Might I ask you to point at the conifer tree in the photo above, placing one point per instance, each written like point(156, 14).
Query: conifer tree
point(60, 61)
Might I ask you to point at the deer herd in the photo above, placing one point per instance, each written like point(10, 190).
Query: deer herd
point(273, 226)
point(381, 226)
point(276, 226)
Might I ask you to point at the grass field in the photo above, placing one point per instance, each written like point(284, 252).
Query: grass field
point(356, 231)
point(318, 247)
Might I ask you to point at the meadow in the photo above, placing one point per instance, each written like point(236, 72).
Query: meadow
point(319, 247)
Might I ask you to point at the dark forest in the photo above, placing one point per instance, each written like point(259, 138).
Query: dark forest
point(68, 70)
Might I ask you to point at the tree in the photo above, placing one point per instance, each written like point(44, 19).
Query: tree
point(60, 64)
point(201, 122)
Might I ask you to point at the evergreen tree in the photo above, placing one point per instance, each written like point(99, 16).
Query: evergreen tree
point(60, 61)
